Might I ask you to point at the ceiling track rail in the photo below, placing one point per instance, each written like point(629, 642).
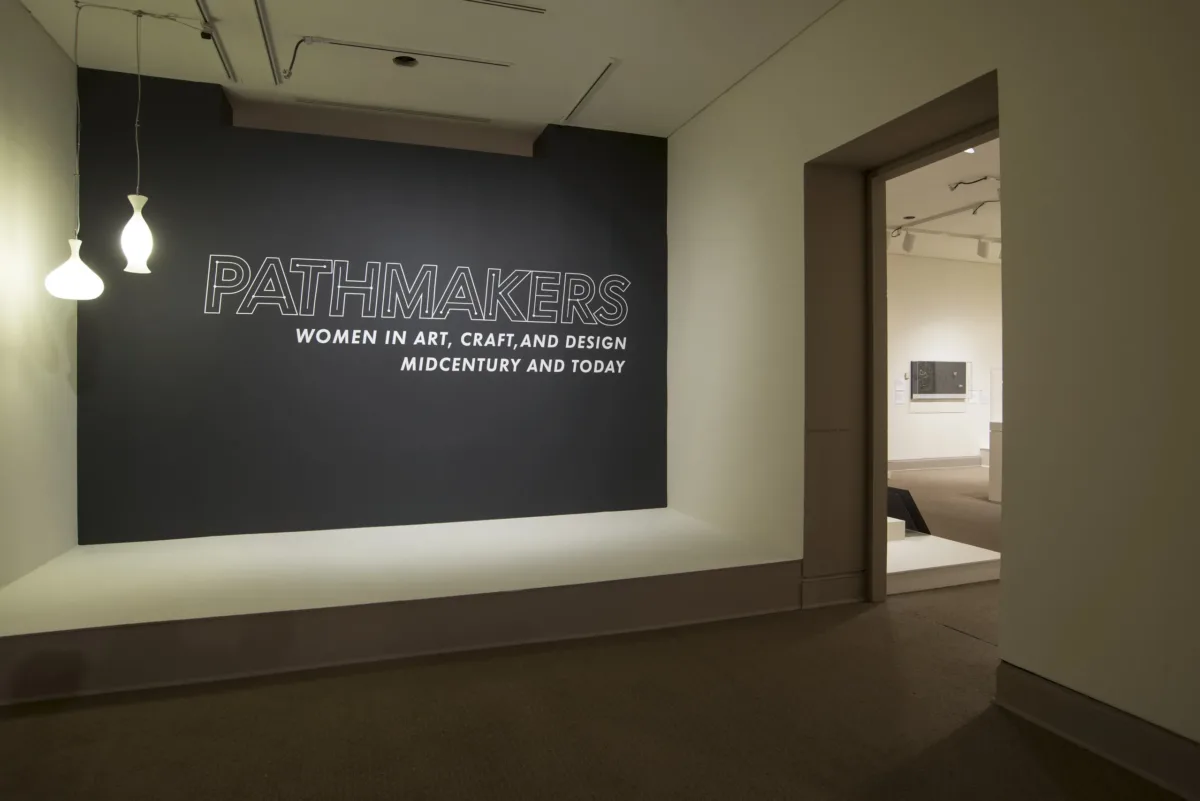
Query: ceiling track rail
point(264, 27)
point(508, 6)
point(971, 207)
point(215, 38)
point(592, 90)
point(202, 25)
point(404, 51)
point(972, 237)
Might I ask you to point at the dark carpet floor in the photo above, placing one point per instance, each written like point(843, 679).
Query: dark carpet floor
point(954, 502)
point(863, 703)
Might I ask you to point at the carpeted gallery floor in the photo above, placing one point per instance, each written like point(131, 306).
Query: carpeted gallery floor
point(863, 703)
point(954, 502)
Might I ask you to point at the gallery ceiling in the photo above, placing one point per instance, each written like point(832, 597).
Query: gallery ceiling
point(925, 195)
point(526, 63)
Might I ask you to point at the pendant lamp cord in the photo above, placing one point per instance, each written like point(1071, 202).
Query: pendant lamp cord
point(78, 116)
point(137, 118)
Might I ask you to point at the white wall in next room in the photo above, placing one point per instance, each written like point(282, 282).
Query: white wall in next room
point(941, 310)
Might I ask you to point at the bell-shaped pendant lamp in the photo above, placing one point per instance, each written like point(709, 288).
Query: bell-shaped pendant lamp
point(136, 240)
point(74, 280)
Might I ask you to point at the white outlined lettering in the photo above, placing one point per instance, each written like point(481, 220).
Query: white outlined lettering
point(390, 291)
point(460, 295)
point(578, 292)
point(612, 295)
point(269, 288)
point(544, 297)
point(497, 295)
point(227, 275)
point(410, 297)
point(310, 272)
point(367, 288)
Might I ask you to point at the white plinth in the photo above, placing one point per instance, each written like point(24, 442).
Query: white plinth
point(141, 582)
point(996, 462)
point(895, 529)
point(926, 562)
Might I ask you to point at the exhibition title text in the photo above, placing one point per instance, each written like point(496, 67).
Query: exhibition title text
point(390, 290)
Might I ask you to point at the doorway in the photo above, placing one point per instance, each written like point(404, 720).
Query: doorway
point(846, 344)
point(945, 369)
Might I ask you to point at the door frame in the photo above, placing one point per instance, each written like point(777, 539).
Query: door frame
point(845, 306)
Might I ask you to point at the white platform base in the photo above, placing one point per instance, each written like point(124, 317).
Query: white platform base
point(107, 585)
point(895, 529)
point(925, 562)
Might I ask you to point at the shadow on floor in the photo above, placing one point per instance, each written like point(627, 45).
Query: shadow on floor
point(998, 757)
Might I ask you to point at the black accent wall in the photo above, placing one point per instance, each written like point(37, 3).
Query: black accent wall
point(195, 421)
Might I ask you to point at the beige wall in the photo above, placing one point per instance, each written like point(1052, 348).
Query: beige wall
point(1100, 125)
point(941, 310)
point(37, 332)
point(735, 371)
point(1101, 541)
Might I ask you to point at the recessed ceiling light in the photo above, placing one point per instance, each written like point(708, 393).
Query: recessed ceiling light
point(969, 150)
point(909, 217)
point(405, 61)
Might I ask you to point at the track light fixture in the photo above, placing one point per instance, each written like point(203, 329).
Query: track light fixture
point(74, 280)
point(910, 239)
point(984, 249)
point(136, 240)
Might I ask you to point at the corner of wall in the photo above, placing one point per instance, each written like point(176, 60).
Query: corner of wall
point(37, 332)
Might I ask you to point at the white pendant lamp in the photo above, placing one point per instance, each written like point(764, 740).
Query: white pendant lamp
point(136, 240)
point(74, 280)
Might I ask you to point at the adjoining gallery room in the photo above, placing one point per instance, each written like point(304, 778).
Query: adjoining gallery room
point(945, 371)
point(574, 400)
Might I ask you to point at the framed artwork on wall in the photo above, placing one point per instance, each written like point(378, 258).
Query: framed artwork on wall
point(939, 381)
